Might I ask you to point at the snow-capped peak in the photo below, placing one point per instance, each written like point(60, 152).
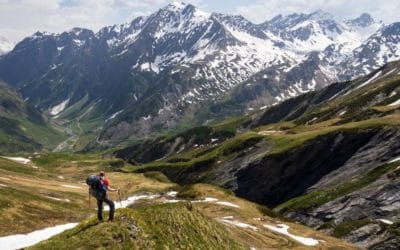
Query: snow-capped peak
point(185, 9)
point(321, 15)
point(364, 20)
point(177, 5)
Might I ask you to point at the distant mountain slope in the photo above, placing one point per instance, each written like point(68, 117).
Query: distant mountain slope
point(169, 70)
point(328, 158)
point(22, 128)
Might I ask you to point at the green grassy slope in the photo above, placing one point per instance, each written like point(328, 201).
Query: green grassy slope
point(168, 226)
point(22, 128)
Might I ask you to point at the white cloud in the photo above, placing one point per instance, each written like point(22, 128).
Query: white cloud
point(20, 18)
point(263, 10)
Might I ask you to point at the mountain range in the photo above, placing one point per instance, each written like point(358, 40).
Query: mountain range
point(181, 67)
point(153, 74)
point(328, 158)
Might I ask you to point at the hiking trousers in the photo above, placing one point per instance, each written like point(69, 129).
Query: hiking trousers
point(109, 202)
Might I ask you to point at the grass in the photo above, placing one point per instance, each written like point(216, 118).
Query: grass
point(54, 159)
point(167, 226)
point(25, 205)
point(354, 102)
point(320, 197)
point(46, 135)
point(155, 175)
point(200, 191)
point(23, 211)
point(345, 228)
point(183, 225)
point(11, 166)
point(203, 156)
point(298, 135)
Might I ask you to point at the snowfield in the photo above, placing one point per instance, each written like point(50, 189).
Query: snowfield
point(59, 108)
point(229, 220)
point(19, 241)
point(17, 159)
point(283, 229)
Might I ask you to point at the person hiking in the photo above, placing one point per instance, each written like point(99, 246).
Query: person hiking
point(99, 191)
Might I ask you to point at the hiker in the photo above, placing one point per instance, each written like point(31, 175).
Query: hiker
point(98, 189)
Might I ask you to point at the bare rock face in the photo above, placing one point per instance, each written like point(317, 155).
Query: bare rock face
point(372, 214)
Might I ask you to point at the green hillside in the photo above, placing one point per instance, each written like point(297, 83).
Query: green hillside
point(22, 128)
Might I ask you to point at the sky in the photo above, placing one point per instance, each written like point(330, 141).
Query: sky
point(21, 18)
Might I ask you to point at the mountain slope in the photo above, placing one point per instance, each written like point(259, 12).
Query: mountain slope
point(160, 72)
point(137, 229)
point(321, 149)
point(48, 190)
point(203, 222)
point(22, 128)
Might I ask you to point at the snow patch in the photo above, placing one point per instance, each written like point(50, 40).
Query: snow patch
point(17, 159)
point(19, 241)
point(132, 199)
point(58, 108)
point(5, 179)
point(312, 84)
point(172, 201)
point(386, 221)
point(267, 132)
point(3, 185)
point(78, 42)
point(207, 199)
point(238, 224)
point(57, 199)
point(395, 103)
point(114, 115)
point(171, 194)
point(283, 229)
point(70, 186)
point(229, 217)
point(370, 80)
point(215, 200)
point(394, 160)
point(228, 204)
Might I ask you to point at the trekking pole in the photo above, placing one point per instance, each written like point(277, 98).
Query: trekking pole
point(89, 199)
point(119, 196)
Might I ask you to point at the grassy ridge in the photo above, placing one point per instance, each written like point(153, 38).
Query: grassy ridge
point(167, 226)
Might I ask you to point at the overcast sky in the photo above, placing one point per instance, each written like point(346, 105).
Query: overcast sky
point(21, 18)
